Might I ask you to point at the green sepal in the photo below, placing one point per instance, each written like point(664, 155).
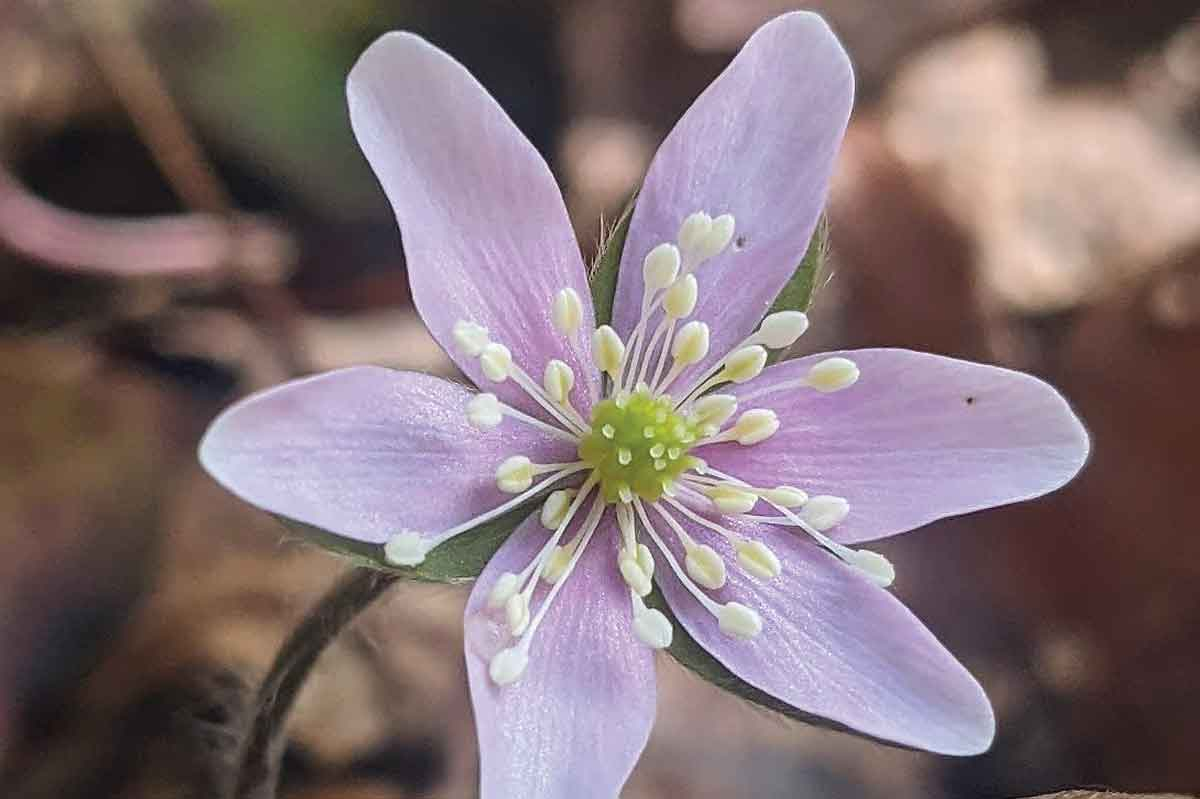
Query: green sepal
point(603, 275)
point(458, 560)
point(797, 293)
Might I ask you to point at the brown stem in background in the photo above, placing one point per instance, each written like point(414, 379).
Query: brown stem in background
point(257, 773)
point(112, 42)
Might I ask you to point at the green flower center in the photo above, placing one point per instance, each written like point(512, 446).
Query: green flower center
point(638, 446)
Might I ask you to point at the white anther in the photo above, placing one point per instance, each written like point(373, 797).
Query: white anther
point(755, 426)
point(567, 312)
point(680, 299)
point(608, 351)
point(737, 620)
point(558, 380)
point(506, 585)
point(508, 665)
point(483, 411)
point(652, 628)
point(712, 411)
point(833, 374)
point(719, 236)
point(470, 337)
point(757, 559)
point(406, 548)
point(691, 345)
point(660, 266)
point(516, 613)
point(782, 328)
point(515, 474)
point(496, 361)
point(555, 508)
point(787, 496)
point(745, 364)
point(824, 512)
point(705, 566)
point(633, 573)
point(875, 566)
point(693, 233)
point(730, 499)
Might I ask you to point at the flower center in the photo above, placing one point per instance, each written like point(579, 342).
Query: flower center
point(638, 446)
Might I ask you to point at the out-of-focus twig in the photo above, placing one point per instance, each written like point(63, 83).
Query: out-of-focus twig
point(167, 245)
point(141, 90)
point(109, 35)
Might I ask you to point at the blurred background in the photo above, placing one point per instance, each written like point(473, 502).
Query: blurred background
point(184, 218)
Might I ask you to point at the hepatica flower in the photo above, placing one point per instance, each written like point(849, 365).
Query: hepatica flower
point(670, 485)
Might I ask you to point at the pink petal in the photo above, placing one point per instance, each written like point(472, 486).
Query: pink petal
point(366, 452)
point(574, 724)
point(835, 645)
point(917, 438)
point(485, 230)
point(759, 143)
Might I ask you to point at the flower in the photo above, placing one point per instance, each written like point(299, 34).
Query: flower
point(659, 449)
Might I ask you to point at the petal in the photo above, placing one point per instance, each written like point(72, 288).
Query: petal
point(759, 143)
point(917, 438)
point(485, 231)
point(835, 645)
point(366, 452)
point(573, 725)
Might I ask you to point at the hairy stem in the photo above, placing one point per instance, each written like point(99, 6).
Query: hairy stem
point(258, 761)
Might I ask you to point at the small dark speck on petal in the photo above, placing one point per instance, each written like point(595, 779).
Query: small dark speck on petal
point(970, 400)
point(739, 243)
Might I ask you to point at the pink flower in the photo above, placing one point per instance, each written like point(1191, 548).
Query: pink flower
point(658, 451)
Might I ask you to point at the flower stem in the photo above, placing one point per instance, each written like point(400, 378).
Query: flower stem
point(262, 749)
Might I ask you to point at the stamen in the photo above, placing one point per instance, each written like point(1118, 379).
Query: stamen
point(833, 374)
point(874, 566)
point(483, 411)
point(505, 507)
point(690, 347)
point(509, 664)
point(554, 509)
point(718, 238)
point(729, 498)
point(650, 625)
point(496, 361)
point(752, 427)
point(710, 412)
point(483, 408)
point(680, 299)
point(825, 512)
point(733, 618)
point(702, 562)
point(406, 548)
point(757, 559)
point(470, 337)
point(567, 312)
point(608, 351)
point(739, 621)
point(781, 329)
point(660, 267)
point(787, 496)
point(507, 584)
point(515, 474)
point(558, 381)
point(744, 364)
point(694, 231)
